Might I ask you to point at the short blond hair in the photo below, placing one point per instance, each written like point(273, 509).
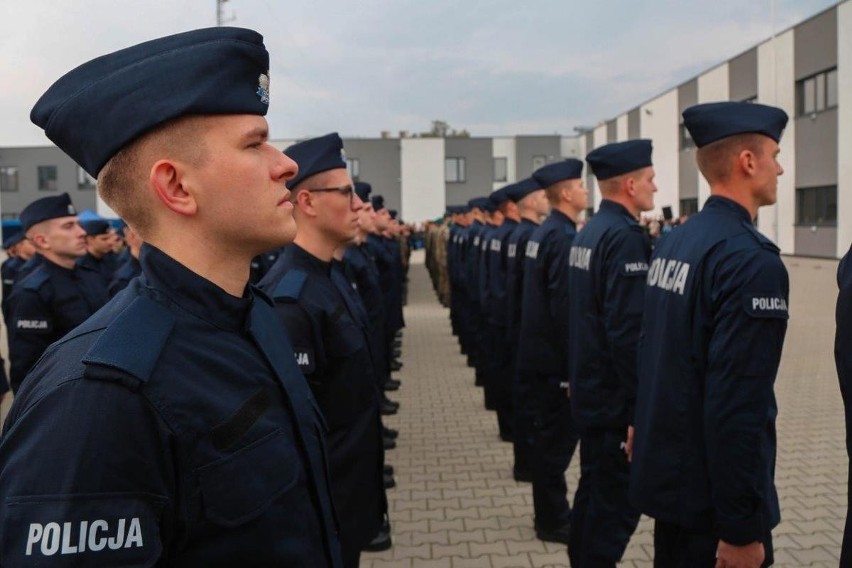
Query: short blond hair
point(122, 182)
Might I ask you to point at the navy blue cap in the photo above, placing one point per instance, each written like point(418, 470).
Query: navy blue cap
point(393, 213)
point(46, 208)
point(95, 227)
point(315, 156)
point(13, 240)
point(710, 122)
point(558, 171)
point(481, 203)
point(208, 71)
point(620, 158)
point(363, 190)
point(521, 189)
point(378, 202)
point(500, 196)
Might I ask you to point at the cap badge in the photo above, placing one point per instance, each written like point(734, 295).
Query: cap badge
point(263, 88)
point(71, 210)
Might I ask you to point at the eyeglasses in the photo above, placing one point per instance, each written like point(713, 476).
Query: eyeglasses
point(348, 190)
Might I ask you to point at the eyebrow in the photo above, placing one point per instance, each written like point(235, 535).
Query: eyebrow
point(255, 133)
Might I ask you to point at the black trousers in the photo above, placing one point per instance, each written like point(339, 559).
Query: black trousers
point(602, 520)
point(554, 442)
point(678, 547)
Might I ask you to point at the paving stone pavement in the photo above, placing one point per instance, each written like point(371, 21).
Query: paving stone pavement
point(456, 505)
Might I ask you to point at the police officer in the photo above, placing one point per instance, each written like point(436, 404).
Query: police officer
point(542, 367)
point(173, 427)
point(330, 344)
point(532, 207)
point(843, 361)
point(131, 268)
point(607, 264)
point(19, 250)
point(58, 295)
point(714, 322)
point(99, 256)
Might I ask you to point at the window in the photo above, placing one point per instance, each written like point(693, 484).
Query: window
point(539, 161)
point(816, 206)
point(500, 169)
point(689, 206)
point(817, 92)
point(686, 141)
point(353, 168)
point(454, 170)
point(47, 178)
point(8, 178)
point(84, 180)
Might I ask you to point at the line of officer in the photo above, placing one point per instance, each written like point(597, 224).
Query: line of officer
point(99, 257)
point(486, 333)
point(173, 427)
point(59, 294)
point(542, 367)
point(715, 317)
point(19, 250)
point(330, 344)
point(532, 207)
point(607, 265)
point(130, 268)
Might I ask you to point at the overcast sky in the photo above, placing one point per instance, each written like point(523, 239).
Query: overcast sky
point(493, 67)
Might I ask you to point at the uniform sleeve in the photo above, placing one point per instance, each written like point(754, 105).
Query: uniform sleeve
point(86, 478)
point(750, 321)
point(30, 333)
point(556, 268)
point(626, 270)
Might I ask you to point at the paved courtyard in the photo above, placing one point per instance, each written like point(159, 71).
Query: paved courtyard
point(456, 504)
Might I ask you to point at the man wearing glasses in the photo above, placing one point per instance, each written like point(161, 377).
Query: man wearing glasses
point(330, 345)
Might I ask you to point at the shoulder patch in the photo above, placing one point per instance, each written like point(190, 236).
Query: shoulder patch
point(132, 342)
point(34, 280)
point(291, 285)
point(771, 305)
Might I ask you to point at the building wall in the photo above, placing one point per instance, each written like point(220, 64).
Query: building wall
point(634, 130)
point(504, 147)
point(742, 76)
point(479, 165)
point(527, 148)
point(611, 131)
point(844, 131)
point(659, 122)
point(599, 139)
point(591, 184)
point(621, 128)
point(422, 178)
point(379, 164)
point(572, 147)
point(27, 160)
point(712, 86)
point(687, 95)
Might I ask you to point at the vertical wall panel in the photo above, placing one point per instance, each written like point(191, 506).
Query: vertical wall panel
point(621, 128)
point(504, 147)
point(844, 127)
point(422, 173)
point(659, 122)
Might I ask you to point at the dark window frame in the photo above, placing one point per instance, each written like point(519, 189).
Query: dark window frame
point(816, 206)
point(5, 177)
point(41, 178)
point(812, 93)
point(460, 167)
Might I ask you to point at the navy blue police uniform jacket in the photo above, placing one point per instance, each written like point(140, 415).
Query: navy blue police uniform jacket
point(843, 361)
point(361, 270)
point(44, 306)
point(122, 277)
point(29, 266)
point(516, 246)
point(173, 428)
point(543, 341)
point(715, 320)
point(332, 350)
point(483, 281)
point(471, 267)
point(498, 248)
point(9, 273)
point(607, 265)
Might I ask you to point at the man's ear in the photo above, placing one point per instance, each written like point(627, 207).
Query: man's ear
point(168, 180)
point(747, 162)
point(305, 202)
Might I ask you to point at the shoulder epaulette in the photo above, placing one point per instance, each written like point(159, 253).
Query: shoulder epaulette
point(131, 343)
point(290, 286)
point(34, 280)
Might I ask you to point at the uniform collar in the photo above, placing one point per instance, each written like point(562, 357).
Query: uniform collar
point(525, 221)
point(562, 217)
point(724, 204)
point(297, 256)
point(192, 292)
point(613, 207)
